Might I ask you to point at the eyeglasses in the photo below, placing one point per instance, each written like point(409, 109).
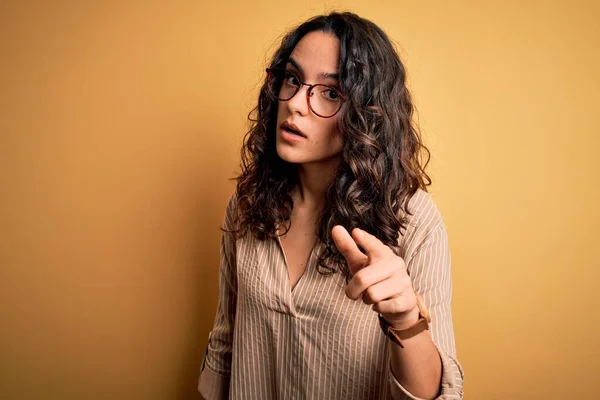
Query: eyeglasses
point(325, 101)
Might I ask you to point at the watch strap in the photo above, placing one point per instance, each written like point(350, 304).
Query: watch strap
point(398, 335)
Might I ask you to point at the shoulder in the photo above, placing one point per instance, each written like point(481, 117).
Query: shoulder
point(423, 209)
point(422, 219)
point(231, 211)
point(232, 202)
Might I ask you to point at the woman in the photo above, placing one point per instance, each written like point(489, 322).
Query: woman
point(331, 208)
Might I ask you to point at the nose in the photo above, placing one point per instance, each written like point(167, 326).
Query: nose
point(299, 102)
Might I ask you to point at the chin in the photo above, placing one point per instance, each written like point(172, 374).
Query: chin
point(295, 155)
point(290, 155)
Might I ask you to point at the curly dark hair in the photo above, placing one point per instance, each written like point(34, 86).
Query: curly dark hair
point(382, 153)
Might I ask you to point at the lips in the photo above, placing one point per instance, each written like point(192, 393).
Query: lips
point(292, 129)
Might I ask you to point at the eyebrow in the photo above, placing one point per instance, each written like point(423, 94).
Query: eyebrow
point(323, 75)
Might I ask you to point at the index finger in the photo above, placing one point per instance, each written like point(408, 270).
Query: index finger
point(374, 247)
point(347, 246)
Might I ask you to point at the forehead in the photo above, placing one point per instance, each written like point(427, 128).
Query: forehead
point(317, 52)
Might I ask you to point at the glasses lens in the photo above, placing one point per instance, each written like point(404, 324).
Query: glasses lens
point(283, 85)
point(325, 100)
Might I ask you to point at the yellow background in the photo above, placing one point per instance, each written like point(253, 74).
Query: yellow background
point(120, 123)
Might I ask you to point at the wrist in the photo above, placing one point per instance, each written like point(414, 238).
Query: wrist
point(406, 320)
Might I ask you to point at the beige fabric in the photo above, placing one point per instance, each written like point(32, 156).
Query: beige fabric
point(313, 342)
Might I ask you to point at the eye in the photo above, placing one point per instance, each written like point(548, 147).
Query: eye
point(290, 79)
point(331, 94)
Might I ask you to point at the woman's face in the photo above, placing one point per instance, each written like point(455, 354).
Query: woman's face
point(315, 59)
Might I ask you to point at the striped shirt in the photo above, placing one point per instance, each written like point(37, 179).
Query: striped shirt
point(313, 342)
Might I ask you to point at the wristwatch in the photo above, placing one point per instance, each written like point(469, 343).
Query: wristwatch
point(398, 335)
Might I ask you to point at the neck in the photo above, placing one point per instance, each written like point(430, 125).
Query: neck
point(313, 181)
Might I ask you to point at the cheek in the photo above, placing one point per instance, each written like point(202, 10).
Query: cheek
point(334, 138)
point(280, 112)
point(329, 142)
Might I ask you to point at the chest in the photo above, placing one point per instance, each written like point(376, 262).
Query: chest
point(264, 284)
point(297, 245)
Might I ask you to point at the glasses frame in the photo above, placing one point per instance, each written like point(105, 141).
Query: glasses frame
point(308, 92)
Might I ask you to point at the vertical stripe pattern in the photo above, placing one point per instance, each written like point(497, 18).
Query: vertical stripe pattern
point(313, 342)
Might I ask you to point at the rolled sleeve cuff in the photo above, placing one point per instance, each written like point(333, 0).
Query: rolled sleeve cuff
point(452, 381)
point(212, 385)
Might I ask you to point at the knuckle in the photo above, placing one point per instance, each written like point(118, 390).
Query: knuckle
point(412, 303)
point(399, 306)
point(348, 292)
point(401, 262)
point(360, 279)
point(405, 281)
point(394, 307)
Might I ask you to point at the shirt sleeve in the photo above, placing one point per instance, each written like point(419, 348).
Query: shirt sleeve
point(429, 269)
point(215, 373)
